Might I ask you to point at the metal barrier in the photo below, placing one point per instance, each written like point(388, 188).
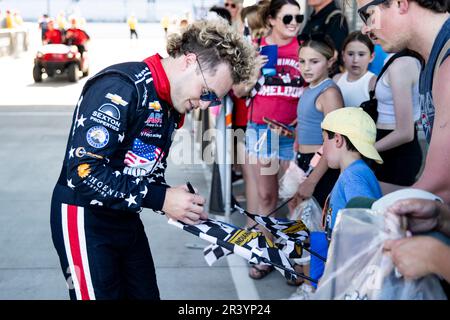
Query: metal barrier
point(13, 41)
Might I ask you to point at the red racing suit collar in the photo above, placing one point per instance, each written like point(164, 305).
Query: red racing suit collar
point(160, 80)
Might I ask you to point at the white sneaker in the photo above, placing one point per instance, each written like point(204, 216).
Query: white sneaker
point(303, 292)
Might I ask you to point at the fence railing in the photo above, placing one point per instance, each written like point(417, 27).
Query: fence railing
point(13, 41)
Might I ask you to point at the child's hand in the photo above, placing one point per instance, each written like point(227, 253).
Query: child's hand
point(261, 60)
point(306, 189)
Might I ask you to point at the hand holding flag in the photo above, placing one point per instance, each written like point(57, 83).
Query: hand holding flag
point(184, 206)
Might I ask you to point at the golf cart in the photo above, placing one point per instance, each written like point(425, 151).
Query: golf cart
point(54, 59)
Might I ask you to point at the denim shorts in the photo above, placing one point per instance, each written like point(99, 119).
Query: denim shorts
point(263, 143)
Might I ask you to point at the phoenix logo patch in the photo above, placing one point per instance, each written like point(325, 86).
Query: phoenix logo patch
point(84, 170)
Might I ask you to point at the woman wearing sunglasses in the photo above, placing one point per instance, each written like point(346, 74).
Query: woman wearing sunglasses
point(235, 8)
point(277, 100)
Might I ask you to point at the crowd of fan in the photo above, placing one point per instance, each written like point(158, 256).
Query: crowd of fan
point(10, 19)
point(341, 97)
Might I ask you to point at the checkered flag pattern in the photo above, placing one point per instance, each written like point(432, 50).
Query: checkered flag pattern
point(252, 246)
point(293, 232)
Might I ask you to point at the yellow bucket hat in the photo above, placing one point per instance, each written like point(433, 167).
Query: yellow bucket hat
point(357, 126)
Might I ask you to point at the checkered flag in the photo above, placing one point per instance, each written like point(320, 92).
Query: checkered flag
point(293, 232)
point(252, 246)
point(214, 252)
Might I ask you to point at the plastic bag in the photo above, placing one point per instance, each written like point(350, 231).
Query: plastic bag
point(310, 213)
point(290, 181)
point(357, 268)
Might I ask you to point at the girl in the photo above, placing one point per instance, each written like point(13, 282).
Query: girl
point(397, 93)
point(356, 82)
point(321, 97)
point(276, 99)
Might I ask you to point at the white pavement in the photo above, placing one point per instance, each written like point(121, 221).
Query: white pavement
point(34, 124)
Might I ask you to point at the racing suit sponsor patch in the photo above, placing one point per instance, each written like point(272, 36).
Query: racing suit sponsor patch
point(102, 188)
point(116, 99)
point(97, 137)
point(110, 110)
point(155, 106)
point(108, 116)
point(80, 152)
point(84, 170)
point(148, 133)
point(155, 119)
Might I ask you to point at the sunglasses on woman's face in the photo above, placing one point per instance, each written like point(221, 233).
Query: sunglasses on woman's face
point(289, 17)
point(231, 5)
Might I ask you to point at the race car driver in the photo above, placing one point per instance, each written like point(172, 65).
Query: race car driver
point(116, 158)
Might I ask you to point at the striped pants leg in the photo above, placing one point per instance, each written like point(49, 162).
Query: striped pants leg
point(101, 256)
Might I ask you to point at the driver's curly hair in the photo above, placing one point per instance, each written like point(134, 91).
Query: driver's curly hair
point(214, 41)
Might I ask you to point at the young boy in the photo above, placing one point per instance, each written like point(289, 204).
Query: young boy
point(349, 135)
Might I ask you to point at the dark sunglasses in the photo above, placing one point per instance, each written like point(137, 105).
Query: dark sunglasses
point(208, 94)
point(232, 5)
point(289, 17)
point(363, 14)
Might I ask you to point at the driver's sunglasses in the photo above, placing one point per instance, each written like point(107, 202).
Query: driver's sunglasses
point(208, 94)
point(232, 5)
point(363, 14)
point(289, 17)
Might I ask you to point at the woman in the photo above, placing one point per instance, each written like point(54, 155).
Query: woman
point(277, 100)
point(398, 108)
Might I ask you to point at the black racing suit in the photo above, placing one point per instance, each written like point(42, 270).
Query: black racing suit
point(113, 167)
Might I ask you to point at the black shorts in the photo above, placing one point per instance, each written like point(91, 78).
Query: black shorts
point(401, 164)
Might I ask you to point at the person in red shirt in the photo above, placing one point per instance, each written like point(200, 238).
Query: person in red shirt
point(76, 36)
point(276, 99)
point(52, 36)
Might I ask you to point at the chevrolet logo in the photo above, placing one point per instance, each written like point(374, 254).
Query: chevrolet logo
point(155, 106)
point(116, 99)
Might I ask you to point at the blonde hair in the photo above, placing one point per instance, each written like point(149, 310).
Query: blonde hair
point(214, 42)
point(255, 21)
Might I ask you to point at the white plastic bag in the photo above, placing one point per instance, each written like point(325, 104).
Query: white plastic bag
point(310, 212)
point(290, 181)
point(358, 269)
